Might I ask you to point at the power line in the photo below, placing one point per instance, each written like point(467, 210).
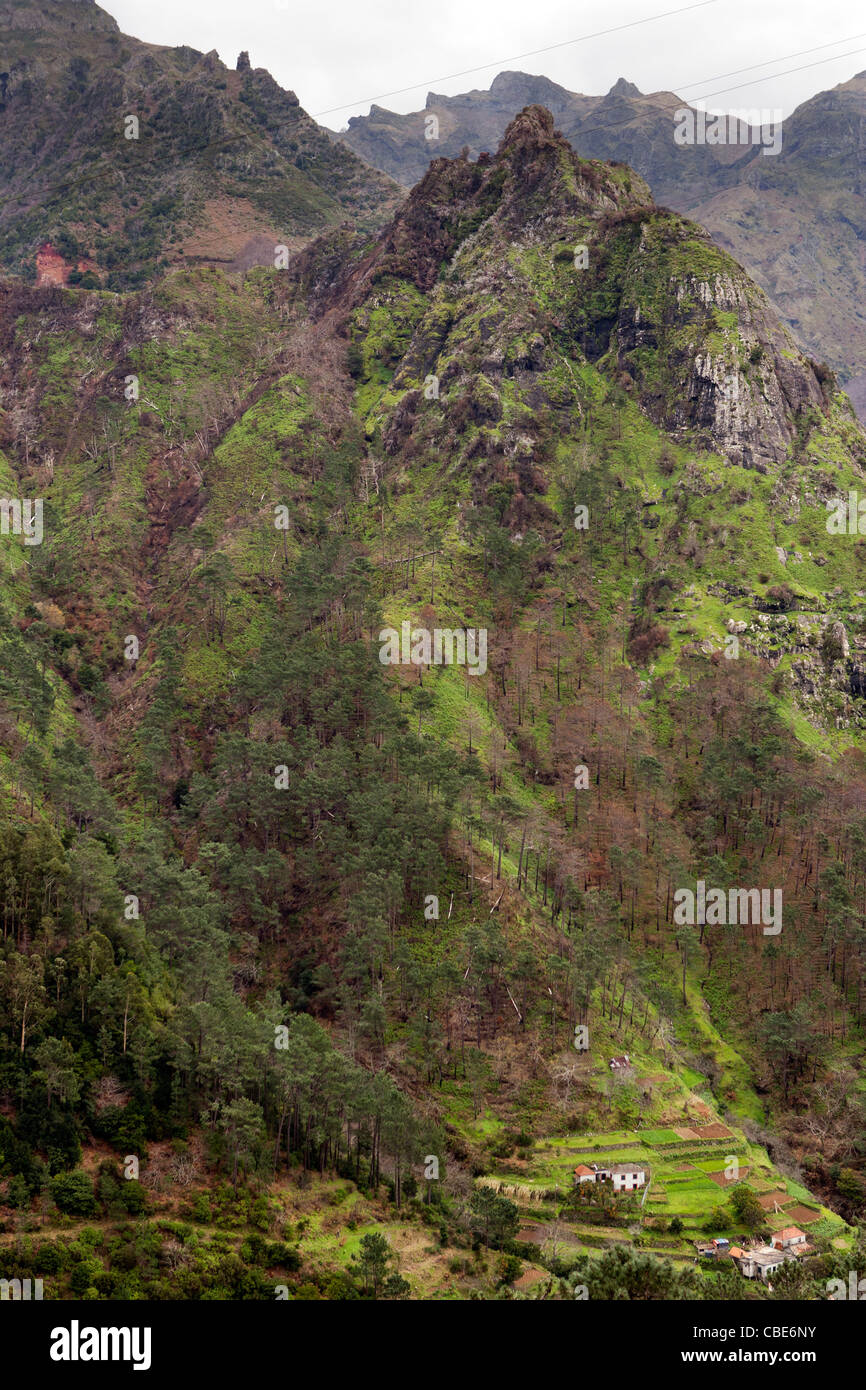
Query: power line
point(783, 58)
point(803, 67)
point(517, 57)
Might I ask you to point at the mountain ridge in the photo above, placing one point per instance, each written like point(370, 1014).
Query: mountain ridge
point(807, 257)
point(134, 156)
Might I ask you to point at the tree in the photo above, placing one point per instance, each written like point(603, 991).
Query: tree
point(373, 1259)
point(395, 1286)
point(24, 994)
point(242, 1126)
point(624, 1273)
point(73, 1194)
point(55, 1069)
point(747, 1207)
point(493, 1216)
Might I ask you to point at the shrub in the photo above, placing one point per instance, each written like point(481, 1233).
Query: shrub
point(73, 1194)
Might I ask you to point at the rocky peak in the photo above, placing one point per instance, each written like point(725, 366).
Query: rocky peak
point(523, 89)
point(622, 88)
point(530, 131)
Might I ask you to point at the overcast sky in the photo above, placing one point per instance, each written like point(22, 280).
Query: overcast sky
point(345, 54)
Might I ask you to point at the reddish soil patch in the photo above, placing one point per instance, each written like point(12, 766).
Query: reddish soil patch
point(721, 1181)
point(536, 1235)
point(52, 269)
point(684, 1167)
point(769, 1200)
point(714, 1131)
point(801, 1216)
point(684, 1133)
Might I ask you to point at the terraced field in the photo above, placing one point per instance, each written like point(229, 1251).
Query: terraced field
point(691, 1171)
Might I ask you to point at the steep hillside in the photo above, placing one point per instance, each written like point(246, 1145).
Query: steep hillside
point(308, 921)
point(117, 156)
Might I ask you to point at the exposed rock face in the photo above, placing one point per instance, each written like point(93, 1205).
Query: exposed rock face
point(747, 407)
point(834, 642)
point(857, 682)
point(56, 17)
point(243, 63)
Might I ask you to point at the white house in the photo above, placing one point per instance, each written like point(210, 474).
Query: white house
point(625, 1177)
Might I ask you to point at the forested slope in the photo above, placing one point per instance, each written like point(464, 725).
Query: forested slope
point(283, 921)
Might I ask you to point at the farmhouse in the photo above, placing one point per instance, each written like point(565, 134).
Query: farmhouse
point(626, 1177)
point(759, 1263)
point(620, 1063)
point(789, 1239)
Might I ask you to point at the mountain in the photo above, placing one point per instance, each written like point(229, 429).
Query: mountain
point(796, 221)
point(339, 938)
point(118, 157)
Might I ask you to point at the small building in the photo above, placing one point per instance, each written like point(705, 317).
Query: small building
point(713, 1249)
point(761, 1262)
point(620, 1063)
point(789, 1238)
point(626, 1177)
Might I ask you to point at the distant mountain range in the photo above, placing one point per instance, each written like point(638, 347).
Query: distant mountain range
point(796, 221)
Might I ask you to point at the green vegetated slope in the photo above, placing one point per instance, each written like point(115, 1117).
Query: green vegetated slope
point(308, 935)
